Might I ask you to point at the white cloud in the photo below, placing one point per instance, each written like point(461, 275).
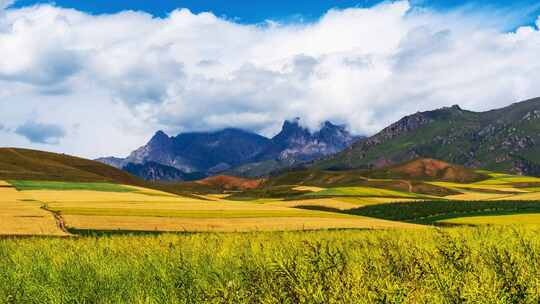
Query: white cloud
point(111, 80)
point(5, 3)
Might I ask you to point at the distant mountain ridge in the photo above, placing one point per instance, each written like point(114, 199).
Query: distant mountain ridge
point(195, 154)
point(505, 140)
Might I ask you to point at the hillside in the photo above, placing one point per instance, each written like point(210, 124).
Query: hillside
point(428, 169)
point(24, 164)
point(152, 171)
point(502, 140)
point(230, 182)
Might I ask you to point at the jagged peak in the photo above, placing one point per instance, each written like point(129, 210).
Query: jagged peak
point(329, 125)
point(160, 133)
point(159, 137)
point(295, 122)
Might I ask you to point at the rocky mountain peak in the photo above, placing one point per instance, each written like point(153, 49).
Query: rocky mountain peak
point(291, 131)
point(159, 138)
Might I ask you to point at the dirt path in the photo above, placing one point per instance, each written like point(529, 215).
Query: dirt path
point(409, 184)
point(59, 219)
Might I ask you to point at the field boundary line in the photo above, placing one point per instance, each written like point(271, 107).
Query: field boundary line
point(58, 218)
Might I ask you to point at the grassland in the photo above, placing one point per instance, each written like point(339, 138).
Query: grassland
point(454, 265)
point(361, 192)
point(25, 185)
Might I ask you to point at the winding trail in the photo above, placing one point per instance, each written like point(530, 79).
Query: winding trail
point(59, 219)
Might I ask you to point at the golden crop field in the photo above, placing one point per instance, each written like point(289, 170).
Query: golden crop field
point(242, 224)
point(140, 209)
point(151, 210)
point(20, 215)
point(308, 188)
point(334, 203)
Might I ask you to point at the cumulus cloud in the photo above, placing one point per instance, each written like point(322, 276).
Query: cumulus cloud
point(122, 76)
point(5, 3)
point(41, 133)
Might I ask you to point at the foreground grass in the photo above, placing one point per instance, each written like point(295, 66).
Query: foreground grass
point(474, 265)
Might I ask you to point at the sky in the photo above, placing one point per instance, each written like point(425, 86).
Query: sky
point(99, 78)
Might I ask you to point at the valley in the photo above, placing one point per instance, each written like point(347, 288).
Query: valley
point(296, 200)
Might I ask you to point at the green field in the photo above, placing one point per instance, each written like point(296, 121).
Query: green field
point(454, 265)
point(24, 185)
point(429, 212)
point(361, 192)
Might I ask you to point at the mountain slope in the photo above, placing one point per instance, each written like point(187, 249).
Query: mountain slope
point(228, 183)
point(428, 169)
point(501, 140)
point(152, 171)
point(294, 145)
point(201, 151)
point(27, 164)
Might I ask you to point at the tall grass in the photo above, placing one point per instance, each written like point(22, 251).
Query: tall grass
point(474, 265)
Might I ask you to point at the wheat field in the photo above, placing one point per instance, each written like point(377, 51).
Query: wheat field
point(20, 215)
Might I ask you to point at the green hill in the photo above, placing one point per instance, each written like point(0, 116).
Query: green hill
point(502, 140)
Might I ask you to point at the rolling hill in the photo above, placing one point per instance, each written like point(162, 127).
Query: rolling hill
point(25, 164)
point(428, 169)
point(502, 140)
point(228, 183)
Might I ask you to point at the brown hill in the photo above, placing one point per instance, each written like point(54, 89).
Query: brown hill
point(25, 164)
point(428, 169)
point(225, 182)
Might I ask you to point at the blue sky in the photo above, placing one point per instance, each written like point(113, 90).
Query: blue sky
point(243, 11)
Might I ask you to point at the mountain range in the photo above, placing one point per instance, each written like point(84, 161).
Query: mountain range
point(503, 140)
point(194, 155)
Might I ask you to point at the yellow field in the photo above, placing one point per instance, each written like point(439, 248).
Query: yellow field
point(308, 188)
point(50, 196)
point(149, 210)
point(19, 215)
point(365, 201)
point(339, 203)
point(514, 219)
point(480, 186)
point(534, 196)
point(322, 202)
point(133, 223)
